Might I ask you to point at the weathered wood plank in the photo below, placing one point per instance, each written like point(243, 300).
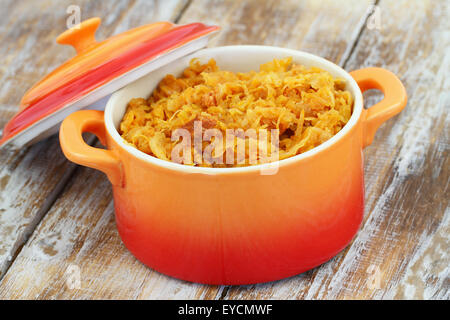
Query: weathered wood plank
point(31, 179)
point(402, 250)
point(79, 228)
point(325, 28)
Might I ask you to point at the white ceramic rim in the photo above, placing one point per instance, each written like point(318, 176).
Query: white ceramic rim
point(297, 55)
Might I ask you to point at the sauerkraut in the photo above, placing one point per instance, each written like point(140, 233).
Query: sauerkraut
point(303, 106)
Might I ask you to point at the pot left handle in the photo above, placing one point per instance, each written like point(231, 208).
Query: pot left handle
point(77, 150)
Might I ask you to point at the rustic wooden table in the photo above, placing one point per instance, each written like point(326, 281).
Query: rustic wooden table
point(57, 220)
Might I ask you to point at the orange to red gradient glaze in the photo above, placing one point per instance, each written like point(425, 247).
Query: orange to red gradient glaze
point(242, 228)
point(238, 226)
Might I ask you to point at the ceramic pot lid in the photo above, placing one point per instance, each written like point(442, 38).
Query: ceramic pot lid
point(98, 69)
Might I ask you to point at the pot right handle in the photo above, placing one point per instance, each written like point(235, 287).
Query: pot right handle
point(393, 102)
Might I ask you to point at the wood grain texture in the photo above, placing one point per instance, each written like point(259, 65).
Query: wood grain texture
point(32, 178)
point(407, 169)
point(79, 228)
point(326, 28)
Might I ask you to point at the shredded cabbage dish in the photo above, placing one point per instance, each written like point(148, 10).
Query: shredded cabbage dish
point(299, 107)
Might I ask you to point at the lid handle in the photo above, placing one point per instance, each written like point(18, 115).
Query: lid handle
point(81, 36)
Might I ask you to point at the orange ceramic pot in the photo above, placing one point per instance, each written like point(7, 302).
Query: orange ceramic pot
point(237, 225)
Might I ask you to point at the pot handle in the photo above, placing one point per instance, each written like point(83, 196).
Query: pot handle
point(393, 102)
point(78, 151)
